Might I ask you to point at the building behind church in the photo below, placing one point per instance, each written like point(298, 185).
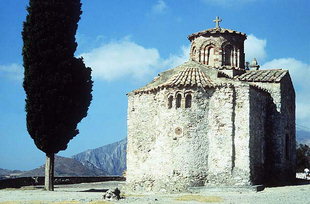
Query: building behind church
point(214, 120)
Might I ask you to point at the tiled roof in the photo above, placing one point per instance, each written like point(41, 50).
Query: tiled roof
point(271, 75)
point(213, 31)
point(189, 77)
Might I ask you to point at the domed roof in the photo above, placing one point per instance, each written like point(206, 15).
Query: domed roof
point(187, 75)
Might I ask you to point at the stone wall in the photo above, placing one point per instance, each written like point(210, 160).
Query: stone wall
point(228, 135)
point(241, 170)
point(280, 164)
point(289, 129)
point(234, 134)
point(259, 102)
point(167, 148)
point(207, 144)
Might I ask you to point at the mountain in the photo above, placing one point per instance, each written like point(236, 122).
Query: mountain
point(5, 173)
point(303, 136)
point(66, 167)
point(110, 158)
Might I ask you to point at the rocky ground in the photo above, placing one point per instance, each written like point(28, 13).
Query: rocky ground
point(92, 193)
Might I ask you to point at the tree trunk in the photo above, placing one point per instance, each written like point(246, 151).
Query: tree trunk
point(49, 172)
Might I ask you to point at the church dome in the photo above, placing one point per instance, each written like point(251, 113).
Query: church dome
point(218, 47)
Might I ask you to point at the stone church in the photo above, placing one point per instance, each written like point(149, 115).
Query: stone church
point(214, 120)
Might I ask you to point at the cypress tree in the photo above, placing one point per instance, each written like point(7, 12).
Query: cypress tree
point(58, 86)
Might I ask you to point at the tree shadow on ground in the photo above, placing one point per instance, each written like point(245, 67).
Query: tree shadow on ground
point(95, 190)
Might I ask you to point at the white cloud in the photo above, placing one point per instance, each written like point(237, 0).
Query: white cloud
point(303, 112)
point(121, 58)
point(300, 77)
point(13, 71)
point(298, 70)
point(159, 7)
point(177, 59)
point(255, 48)
point(125, 58)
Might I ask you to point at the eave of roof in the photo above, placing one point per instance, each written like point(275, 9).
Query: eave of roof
point(215, 31)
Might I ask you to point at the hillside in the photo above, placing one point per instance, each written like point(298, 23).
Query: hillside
point(66, 167)
point(4, 172)
point(110, 158)
point(303, 137)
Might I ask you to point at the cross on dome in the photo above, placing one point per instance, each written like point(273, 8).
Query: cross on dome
point(217, 22)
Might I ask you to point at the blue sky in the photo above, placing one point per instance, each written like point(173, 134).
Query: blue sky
point(127, 42)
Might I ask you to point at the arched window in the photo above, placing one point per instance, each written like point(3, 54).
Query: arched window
point(194, 51)
point(228, 55)
point(210, 56)
point(178, 101)
point(170, 100)
point(188, 101)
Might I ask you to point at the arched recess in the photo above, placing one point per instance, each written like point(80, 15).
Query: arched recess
point(188, 100)
point(207, 53)
point(228, 55)
point(170, 101)
point(193, 52)
point(210, 56)
point(178, 100)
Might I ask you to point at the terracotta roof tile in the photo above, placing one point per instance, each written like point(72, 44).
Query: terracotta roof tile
point(189, 77)
point(271, 75)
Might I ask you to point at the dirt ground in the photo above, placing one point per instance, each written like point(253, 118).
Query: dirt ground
point(91, 193)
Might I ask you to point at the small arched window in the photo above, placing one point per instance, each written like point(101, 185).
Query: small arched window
point(194, 51)
point(228, 55)
point(170, 100)
point(210, 56)
point(188, 101)
point(178, 101)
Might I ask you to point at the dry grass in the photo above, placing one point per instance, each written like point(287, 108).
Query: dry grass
point(28, 188)
point(54, 202)
point(200, 198)
point(23, 188)
point(25, 202)
point(100, 202)
point(132, 195)
point(65, 202)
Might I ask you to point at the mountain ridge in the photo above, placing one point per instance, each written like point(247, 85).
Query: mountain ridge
point(65, 167)
point(110, 158)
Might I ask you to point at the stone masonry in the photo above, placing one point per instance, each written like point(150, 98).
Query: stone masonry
point(211, 121)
